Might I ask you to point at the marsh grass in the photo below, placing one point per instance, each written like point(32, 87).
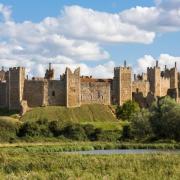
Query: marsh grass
point(62, 166)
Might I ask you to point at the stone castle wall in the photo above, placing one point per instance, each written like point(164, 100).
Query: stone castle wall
point(154, 78)
point(3, 95)
point(34, 92)
point(122, 85)
point(141, 86)
point(73, 90)
point(56, 93)
point(173, 78)
point(15, 87)
point(125, 84)
point(95, 92)
point(44, 92)
point(165, 85)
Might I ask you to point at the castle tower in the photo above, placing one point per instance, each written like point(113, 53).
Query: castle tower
point(73, 88)
point(174, 77)
point(15, 87)
point(154, 78)
point(2, 74)
point(122, 84)
point(49, 73)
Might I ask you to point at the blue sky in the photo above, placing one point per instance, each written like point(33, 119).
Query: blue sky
point(95, 35)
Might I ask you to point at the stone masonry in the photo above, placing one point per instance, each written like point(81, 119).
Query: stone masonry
point(73, 90)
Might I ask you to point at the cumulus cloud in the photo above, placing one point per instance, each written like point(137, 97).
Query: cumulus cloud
point(87, 23)
point(77, 36)
point(164, 17)
point(6, 12)
point(163, 59)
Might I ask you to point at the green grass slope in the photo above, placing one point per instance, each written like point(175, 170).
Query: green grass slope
point(85, 113)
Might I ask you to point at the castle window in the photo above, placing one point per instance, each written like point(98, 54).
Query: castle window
point(53, 93)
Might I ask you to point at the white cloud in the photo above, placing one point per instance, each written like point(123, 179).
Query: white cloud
point(165, 17)
point(6, 12)
point(93, 25)
point(163, 59)
point(73, 38)
point(78, 34)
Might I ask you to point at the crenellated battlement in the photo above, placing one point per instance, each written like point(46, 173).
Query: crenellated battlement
point(14, 69)
point(72, 89)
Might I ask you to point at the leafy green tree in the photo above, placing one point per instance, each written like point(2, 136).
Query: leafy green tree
point(127, 109)
point(140, 124)
point(165, 118)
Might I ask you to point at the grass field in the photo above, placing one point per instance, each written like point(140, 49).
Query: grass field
point(85, 113)
point(62, 166)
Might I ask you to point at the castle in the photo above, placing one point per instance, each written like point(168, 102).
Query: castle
point(17, 92)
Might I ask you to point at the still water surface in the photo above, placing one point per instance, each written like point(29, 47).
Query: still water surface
point(126, 151)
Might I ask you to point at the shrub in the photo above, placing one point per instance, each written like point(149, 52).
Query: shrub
point(127, 109)
point(75, 132)
point(37, 128)
point(55, 128)
point(90, 131)
point(108, 136)
point(8, 130)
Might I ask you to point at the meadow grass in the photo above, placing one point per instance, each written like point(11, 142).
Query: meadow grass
point(63, 166)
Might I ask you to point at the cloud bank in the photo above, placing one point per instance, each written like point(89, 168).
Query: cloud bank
point(77, 36)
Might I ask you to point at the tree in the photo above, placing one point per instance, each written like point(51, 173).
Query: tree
point(165, 118)
point(140, 124)
point(127, 109)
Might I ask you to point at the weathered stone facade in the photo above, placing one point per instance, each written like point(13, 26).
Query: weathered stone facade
point(73, 90)
point(122, 84)
point(95, 91)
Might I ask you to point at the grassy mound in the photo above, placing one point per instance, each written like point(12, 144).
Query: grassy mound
point(85, 113)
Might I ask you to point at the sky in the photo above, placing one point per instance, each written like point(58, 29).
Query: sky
point(91, 34)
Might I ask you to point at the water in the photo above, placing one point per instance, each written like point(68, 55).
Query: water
point(125, 151)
